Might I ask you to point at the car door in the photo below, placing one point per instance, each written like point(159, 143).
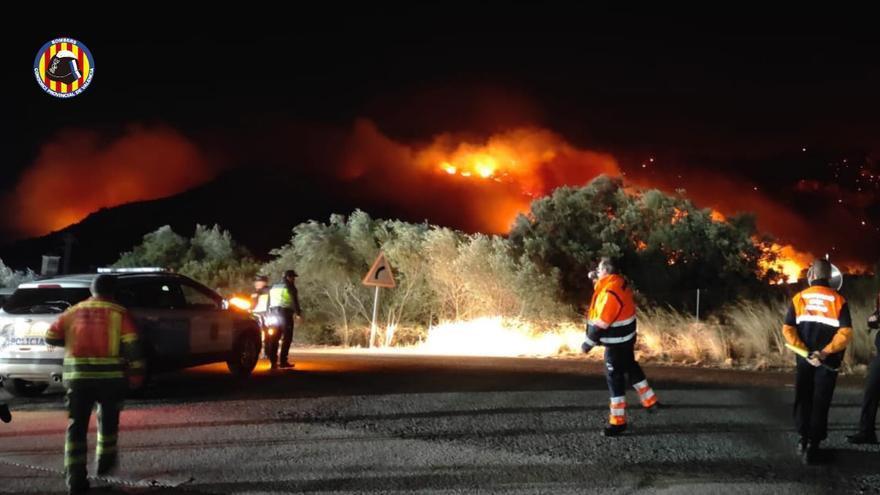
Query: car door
point(157, 307)
point(211, 331)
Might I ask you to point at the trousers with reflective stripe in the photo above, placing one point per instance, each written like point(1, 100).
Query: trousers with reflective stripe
point(92, 368)
point(80, 399)
point(621, 366)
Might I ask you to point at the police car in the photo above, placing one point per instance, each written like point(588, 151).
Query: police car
point(181, 322)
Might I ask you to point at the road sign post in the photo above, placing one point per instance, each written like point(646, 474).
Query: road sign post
point(380, 275)
point(373, 327)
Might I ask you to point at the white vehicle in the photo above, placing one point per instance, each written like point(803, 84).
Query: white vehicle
point(181, 323)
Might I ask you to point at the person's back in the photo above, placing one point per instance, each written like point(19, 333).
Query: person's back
point(102, 356)
point(818, 311)
point(817, 321)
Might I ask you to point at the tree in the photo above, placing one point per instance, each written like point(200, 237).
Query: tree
point(662, 242)
point(211, 256)
point(10, 278)
point(441, 274)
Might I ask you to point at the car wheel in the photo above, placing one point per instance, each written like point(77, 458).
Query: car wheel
point(245, 355)
point(24, 388)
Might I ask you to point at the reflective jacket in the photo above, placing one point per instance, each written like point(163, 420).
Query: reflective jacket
point(818, 319)
point(100, 342)
point(611, 318)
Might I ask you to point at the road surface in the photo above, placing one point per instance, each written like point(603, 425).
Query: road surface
point(375, 423)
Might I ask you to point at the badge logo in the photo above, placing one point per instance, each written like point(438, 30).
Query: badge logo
point(64, 67)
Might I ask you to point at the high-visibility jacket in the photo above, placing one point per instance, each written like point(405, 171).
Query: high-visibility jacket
point(284, 296)
point(611, 318)
point(100, 342)
point(818, 319)
point(260, 300)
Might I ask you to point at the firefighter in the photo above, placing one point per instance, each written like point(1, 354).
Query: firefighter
point(868, 420)
point(284, 304)
point(611, 321)
point(101, 351)
point(818, 320)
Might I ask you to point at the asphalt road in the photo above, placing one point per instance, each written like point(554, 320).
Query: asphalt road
point(348, 423)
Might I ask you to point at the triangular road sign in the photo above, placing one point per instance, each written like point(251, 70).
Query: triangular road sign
point(380, 274)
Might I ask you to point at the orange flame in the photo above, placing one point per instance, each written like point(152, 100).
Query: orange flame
point(789, 263)
point(534, 160)
point(489, 180)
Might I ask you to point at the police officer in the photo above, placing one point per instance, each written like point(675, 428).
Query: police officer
point(284, 304)
point(260, 296)
point(818, 320)
point(868, 420)
point(101, 351)
point(611, 321)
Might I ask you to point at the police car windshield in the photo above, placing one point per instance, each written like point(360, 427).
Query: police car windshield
point(42, 301)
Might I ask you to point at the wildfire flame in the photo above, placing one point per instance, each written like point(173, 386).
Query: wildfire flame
point(534, 160)
point(496, 336)
point(789, 263)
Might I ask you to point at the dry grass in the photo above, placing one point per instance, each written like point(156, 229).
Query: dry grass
point(745, 334)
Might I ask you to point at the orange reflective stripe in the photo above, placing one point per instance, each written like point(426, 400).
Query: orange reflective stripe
point(618, 411)
point(650, 401)
point(616, 420)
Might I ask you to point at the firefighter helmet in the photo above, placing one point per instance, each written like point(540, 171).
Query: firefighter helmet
point(64, 67)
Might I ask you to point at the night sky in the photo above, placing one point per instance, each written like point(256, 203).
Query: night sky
point(769, 114)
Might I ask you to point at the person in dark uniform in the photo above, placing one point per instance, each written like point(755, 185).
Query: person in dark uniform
point(818, 321)
point(868, 420)
point(284, 304)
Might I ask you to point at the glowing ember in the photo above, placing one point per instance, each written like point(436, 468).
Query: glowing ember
point(678, 215)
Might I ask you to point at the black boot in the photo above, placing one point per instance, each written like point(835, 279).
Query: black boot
point(78, 487)
point(107, 465)
point(812, 454)
point(862, 438)
point(5, 415)
point(614, 430)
